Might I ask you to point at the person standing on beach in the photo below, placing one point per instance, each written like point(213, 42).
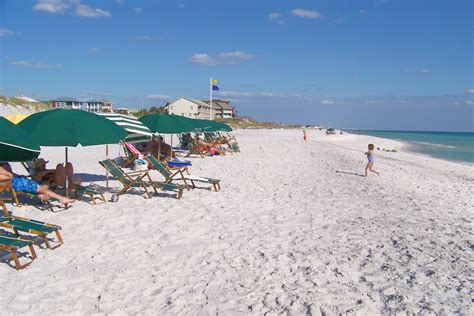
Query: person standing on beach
point(370, 158)
point(305, 136)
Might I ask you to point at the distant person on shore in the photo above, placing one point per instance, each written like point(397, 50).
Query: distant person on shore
point(305, 136)
point(370, 158)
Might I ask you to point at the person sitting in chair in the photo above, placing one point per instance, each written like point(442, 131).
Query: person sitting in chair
point(24, 184)
point(158, 148)
point(56, 176)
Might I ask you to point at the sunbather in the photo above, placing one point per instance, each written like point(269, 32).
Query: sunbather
point(157, 147)
point(57, 176)
point(210, 148)
point(24, 184)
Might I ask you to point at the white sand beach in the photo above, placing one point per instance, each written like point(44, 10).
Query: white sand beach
point(295, 229)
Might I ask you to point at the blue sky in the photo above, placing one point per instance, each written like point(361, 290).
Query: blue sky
point(356, 64)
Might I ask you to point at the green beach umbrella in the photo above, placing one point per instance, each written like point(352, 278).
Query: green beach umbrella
point(70, 128)
point(15, 144)
point(168, 124)
point(213, 126)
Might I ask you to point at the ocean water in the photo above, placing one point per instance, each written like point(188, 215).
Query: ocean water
point(444, 145)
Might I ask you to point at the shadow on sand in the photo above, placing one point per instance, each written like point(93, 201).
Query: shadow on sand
point(88, 177)
point(351, 173)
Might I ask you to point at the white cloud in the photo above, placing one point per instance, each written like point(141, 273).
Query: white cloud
point(469, 102)
point(120, 2)
point(6, 32)
point(327, 101)
point(93, 50)
point(85, 11)
point(306, 14)
point(363, 12)
point(202, 59)
point(139, 10)
point(275, 16)
point(222, 58)
point(34, 64)
point(470, 90)
point(339, 20)
point(158, 97)
point(146, 38)
point(61, 6)
point(51, 6)
point(370, 102)
point(236, 55)
point(425, 71)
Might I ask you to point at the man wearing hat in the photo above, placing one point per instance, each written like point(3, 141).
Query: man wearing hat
point(53, 176)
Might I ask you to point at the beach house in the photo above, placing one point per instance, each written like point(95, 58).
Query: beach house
point(193, 108)
point(95, 106)
point(223, 109)
point(66, 103)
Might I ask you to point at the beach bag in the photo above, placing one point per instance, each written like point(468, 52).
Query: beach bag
point(140, 165)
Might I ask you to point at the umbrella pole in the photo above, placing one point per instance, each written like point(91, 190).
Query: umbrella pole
point(159, 148)
point(106, 172)
point(67, 178)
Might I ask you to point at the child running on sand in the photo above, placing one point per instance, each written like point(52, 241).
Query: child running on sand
point(370, 157)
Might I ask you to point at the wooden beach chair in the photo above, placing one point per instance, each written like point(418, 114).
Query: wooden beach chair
point(181, 174)
point(7, 192)
point(197, 149)
point(11, 245)
point(88, 191)
point(33, 227)
point(13, 196)
point(95, 196)
point(131, 153)
point(138, 179)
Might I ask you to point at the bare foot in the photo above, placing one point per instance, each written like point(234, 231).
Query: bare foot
point(65, 201)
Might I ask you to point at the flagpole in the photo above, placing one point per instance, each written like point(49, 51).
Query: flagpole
point(210, 96)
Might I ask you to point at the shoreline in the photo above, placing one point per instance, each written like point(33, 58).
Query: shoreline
point(410, 145)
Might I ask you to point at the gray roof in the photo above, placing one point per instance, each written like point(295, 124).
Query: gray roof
point(65, 99)
point(225, 105)
point(197, 102)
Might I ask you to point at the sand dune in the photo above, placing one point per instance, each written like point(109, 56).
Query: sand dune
point(294, 229)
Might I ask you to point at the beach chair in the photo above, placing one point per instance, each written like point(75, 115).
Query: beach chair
point(93, 194)
point(179, 174)
point(131, 153)
point(138, 179)
point(197, 149)
point(6, 186)
point(11, 245)
point(7, 192)
point(33, 227)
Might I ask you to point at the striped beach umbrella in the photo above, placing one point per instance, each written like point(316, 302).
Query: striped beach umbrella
point(137, 132)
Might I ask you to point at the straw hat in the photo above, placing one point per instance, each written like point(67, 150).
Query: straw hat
point(39, 162)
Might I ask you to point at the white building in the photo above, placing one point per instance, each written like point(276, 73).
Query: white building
point(98, 106)
point(193, 108)
point(66, 103)
point(222, 109)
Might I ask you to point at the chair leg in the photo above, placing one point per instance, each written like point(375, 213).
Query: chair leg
point(4, 208)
